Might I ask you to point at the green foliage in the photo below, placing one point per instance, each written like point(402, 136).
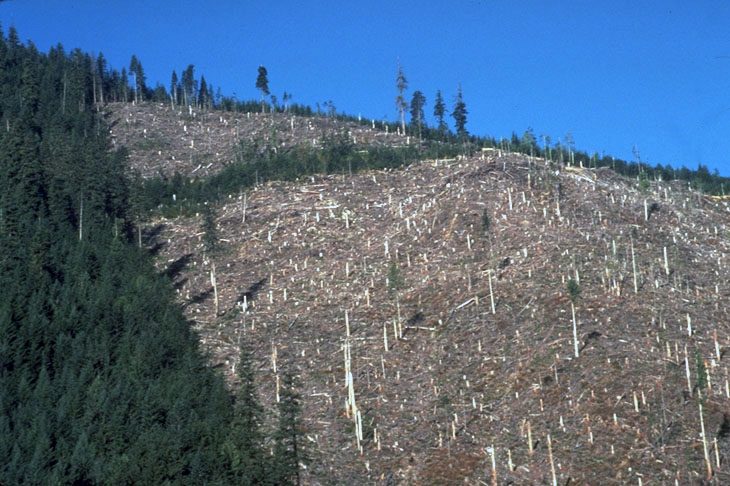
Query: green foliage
point(257, 163)
point(701, 372)
point(188, 85)
point(439, 111)
point(418, 101)
point(395, 279)
point(210, 231)
point(288, 450)
point(459, 114)
point(573, 290)
point(262, 84)
point(244, 446)
point(101, 378)
point(135, 69)
point(485, 222)
point(528, 144)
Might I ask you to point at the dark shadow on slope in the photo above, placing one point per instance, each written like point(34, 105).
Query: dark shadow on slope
point(150, 238)
point(174, 268)
point(197, 299)
point(250, 294)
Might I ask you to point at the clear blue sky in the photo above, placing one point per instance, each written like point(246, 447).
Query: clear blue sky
point(645, 73)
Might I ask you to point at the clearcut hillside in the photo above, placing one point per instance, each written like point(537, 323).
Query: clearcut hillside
point(493, 319)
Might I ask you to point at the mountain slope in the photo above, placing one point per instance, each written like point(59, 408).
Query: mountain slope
point(164, 141)
point(466, 377)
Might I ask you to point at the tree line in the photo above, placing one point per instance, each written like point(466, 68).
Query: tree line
point(104, 84)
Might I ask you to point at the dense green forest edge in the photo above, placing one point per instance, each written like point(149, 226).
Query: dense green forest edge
point(102, 381)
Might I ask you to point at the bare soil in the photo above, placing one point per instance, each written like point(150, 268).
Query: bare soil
point(480, 355)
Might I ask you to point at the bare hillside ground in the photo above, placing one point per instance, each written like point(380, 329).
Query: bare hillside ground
point(196, 143)
point(430, 348)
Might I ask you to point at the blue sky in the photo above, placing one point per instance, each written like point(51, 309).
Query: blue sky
point(655, 75)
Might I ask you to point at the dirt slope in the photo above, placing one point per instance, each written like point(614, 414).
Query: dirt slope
point(480, 363)
point(163, 140)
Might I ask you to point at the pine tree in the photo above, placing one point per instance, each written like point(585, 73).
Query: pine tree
point(262, 84)
point(211, 96)
point(210, 231)
point(244, 445)
point(136, 70)
point(459, 114)
point(418, 101)
point(439, 110)
point(203, 93)
point(188, 85)
point(123, 86)
point(401, 84)
point(288, 452)
point(103, 76)
point(29, 90)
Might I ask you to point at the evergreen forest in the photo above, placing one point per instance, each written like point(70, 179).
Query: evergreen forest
point(102, 381)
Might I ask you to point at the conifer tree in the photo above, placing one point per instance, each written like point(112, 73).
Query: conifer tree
point(210, 230)
point(203, 93)
point(136, 70)
point(459, 114)
point(188, 85)
point(439, 111)
point(103, 75)
point(124, 86)
point(244, 445)
point(418, 101)
point(262, 84)
point(288, 452)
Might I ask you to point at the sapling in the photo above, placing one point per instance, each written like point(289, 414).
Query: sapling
point(485, 222)
point(395, 280)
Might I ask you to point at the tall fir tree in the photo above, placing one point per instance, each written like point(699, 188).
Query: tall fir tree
point(203, 93)
point(262, 84)
point(439, 111)
point(288, 451)
point(136, 70)
point(459, 114)
point(418, 101)
point(188, 85)
point(244, 446)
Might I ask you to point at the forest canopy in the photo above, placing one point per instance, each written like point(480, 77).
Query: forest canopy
point(101, 378)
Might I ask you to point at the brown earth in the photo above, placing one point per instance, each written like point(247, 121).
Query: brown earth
point(480, 353)
point(165, 141)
